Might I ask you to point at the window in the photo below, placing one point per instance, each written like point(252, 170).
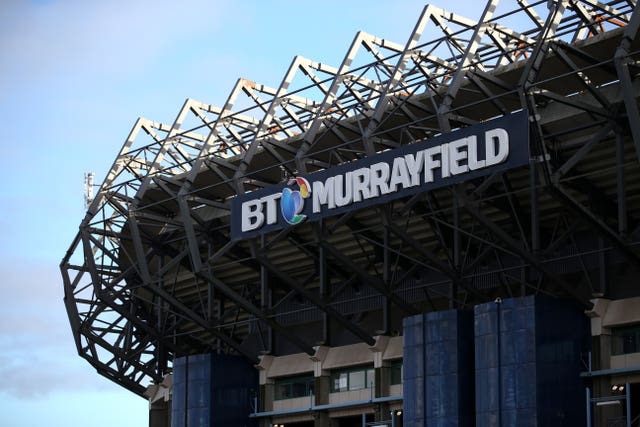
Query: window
point(288, 388)
point(352, 379)
point(625, 340)
point(396, 372)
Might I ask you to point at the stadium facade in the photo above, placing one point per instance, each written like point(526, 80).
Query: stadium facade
point(441, 232)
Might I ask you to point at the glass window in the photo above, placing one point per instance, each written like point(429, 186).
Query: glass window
point(283, 391)
point(625, 340)
point(371, 378)
point(352, 379)
point(288, 388)
point(396, 373)
point(340, 382)
point(357, 380)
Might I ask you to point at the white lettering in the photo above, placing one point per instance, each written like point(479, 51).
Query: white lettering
point(323, 194)
point(378, 179)
point(414, 165)
point(361, 184)
point(456, 156)
point(270, 201)
point(343, 193)
point(399, 174)
point(430, 162)
point(402, 172)
point(496, 146)
point(252, 216)
point(444, 162)
point(472, 150)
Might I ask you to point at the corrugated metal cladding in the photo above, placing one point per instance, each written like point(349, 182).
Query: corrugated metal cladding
point(211, 389)
point(527, 356)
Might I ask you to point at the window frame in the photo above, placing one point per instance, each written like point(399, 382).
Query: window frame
point(619, 334)
point(393, 367)
point(369, 378)
point(307, 380)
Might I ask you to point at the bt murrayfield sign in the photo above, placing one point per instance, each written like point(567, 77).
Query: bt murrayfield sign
point(478, 150)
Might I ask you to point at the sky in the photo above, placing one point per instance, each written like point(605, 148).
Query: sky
point(74, 77)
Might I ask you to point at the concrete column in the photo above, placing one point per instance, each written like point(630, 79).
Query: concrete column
point(383, 381)
point(600, 357)
point(321, 384)
point(159, 396)
point(382, 412)
point(382, 377)
point(321, 387)
point(321, 419)
point(160, 414)
point(265, 397)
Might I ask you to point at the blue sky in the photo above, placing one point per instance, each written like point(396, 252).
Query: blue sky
point(74, 76)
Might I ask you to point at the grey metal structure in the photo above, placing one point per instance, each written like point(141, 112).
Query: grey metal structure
point(153, 273)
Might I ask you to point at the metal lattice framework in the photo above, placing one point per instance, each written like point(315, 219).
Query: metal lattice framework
point(153, 272)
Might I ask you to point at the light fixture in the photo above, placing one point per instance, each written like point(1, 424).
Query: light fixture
point(398, 413)
point(617, 388)
point(608, 403)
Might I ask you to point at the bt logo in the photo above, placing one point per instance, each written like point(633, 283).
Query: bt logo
point(292, 202)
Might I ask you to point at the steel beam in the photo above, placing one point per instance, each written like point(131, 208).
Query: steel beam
point(622, 62)
point(316, 300)
point(523, 253)
point(463, 65)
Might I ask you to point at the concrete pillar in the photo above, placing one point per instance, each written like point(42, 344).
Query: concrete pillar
point(321, 388)
point(382, 412)
point(159, 396)
point(265, 389)
point(600, 359)
point(266, 396)
point(321, 419)
point(383, 381)
point(160, 414)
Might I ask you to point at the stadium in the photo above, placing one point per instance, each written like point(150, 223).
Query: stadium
point(442, 231)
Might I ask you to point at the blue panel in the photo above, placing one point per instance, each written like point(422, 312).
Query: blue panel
point(534, 344)
point(179, 400)
point(212, 390)
point(199, 393)
point(413, 370)
point(448, 368)
point(234, 383)
point(199, 417)
point(561, 337)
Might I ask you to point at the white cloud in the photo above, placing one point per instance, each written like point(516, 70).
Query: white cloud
point(37, 351)
point(104, 408)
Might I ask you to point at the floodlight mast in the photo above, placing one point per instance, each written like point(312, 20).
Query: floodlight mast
point(88, 189)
